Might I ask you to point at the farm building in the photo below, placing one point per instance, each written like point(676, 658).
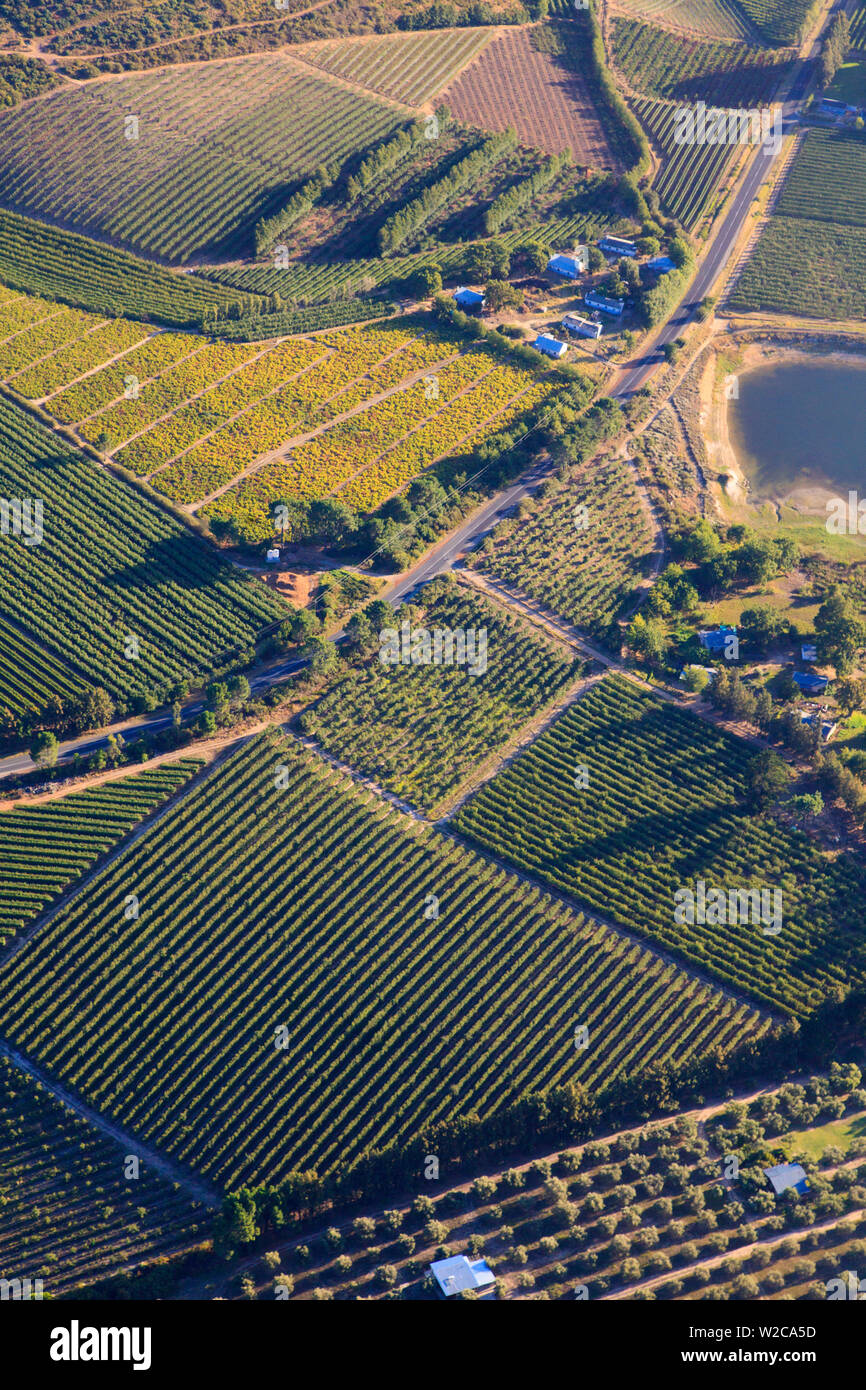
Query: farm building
point(809, 652)
point(584, 328)
point(786, 1175)
point(832, 107)
point(617, 246)
point(596, 300)
point(828, 727)
point(458, 1273)
point(571, 264)
point(551, 347)
point(716, 639)
point(273, 555)
point(661, 265)
point(470, 300)
point(810, 682)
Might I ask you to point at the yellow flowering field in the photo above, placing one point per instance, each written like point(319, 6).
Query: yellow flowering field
point(374, 453)
point(19, 310)
point(129, 416)
point(155, 355)
point(68, 363)
point(43, 337)
point(216, 405)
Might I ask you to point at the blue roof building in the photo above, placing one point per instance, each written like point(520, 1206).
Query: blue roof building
point(785, 1175)
point(458, 1273)
point(661, 264)
point(468, 299)
point(811, 683)
point(568, 264)
point(715, 640)
point(551, 347)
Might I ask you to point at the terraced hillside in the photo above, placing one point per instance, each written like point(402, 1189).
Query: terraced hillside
point(232, 1041)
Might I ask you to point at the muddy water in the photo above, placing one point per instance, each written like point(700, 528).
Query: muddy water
point(801, 425)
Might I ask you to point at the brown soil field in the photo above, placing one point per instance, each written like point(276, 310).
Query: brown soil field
point(549, 105)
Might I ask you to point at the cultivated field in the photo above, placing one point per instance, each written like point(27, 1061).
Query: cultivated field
point(113, 567)
point(780, 21)
point(412, 68)
point(359, 412)
point(29, 676)
point(69, 1215)
point(858, 29)
point(712, 19)
point(232, 1041)
point(44, 260)
point(420, 731)
point(549, 104)
point(663, 810)
point(691, 176)
point(646, 1214)
point(580, 551)
point(45, 848)
point(213, 149)
point(820, 221)
point(409, 397)
point(661, 64)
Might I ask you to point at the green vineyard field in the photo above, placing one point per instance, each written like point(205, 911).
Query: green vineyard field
point(221, 1025)
point(659, 63)
point(580, 551)
point(45, 848)
point(421, 730)
point(113, 566)
point(692, 176)
point(411, 68)
point(663, 810)
point(211, 152)
point(62, 265)
point(820, 222)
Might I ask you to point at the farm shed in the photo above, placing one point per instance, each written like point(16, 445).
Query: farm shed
point(811, 683)
point(459, 1273)
point(809, 652)
point(617, 246)
point(570, 264)
point(551, 347)
point(786, 1175)
point(661, 264)
point(468, 299)
point(584, 328)
point(596, 300)
point(715, 639)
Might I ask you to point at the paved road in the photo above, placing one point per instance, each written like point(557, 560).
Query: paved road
point(145, 724)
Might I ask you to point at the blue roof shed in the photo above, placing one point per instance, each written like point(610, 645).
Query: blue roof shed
point(552, 347)
point(468, 299)
point(810, 683)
